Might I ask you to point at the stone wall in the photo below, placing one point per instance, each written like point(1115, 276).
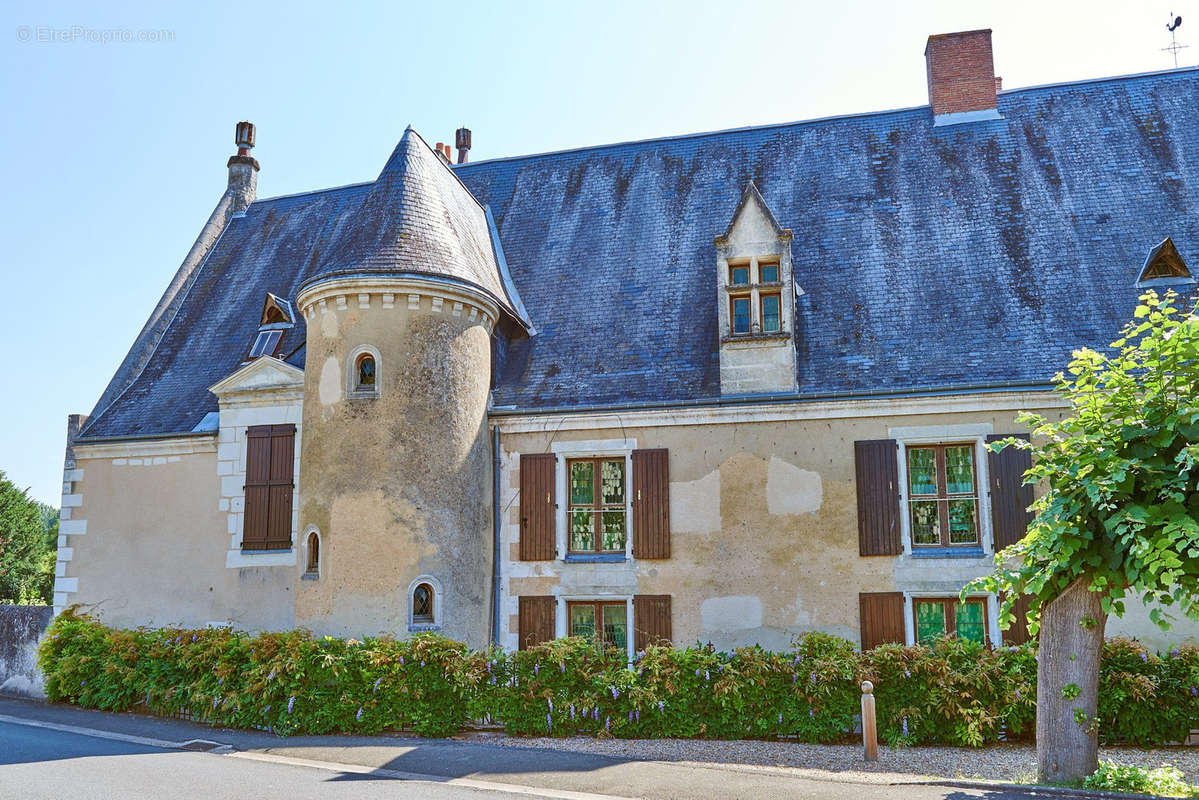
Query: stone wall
point(21, 628)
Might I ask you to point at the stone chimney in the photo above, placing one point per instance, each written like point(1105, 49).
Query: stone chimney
point(243, 169)
point(961, 77)
point(462, 142)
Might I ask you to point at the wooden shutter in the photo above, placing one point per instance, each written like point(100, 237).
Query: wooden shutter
point(876, 467)
point(882, 618)
point(537, 507)
point(1018, 632)
point(651, 620)
point(1009, 497)
point(537, 621)
point(651, 504)
point(270, 466)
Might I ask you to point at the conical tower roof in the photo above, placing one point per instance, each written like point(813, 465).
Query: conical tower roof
point(419, 219)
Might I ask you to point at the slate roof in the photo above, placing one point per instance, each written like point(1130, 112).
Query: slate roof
point(972, 255)
point(417, 219)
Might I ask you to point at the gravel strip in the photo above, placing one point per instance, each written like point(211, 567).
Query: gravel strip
point(1011, 762)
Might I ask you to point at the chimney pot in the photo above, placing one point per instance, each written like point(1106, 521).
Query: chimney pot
point(243, 169)
point(998, 84)
point(462, 142)
point(244, 138)
point(961, 77)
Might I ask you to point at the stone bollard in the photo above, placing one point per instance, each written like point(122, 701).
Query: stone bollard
point(869, 728)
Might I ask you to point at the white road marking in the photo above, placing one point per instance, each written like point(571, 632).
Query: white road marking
point(92, 732)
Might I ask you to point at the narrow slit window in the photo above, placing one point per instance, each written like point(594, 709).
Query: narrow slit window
point(313, 567)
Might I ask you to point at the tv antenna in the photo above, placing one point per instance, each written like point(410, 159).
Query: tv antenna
point(1174, 47)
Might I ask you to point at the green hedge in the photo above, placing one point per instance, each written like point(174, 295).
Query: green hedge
point(951, 693)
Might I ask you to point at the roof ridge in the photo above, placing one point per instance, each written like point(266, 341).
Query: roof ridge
point(313, 191)
point(808, 121)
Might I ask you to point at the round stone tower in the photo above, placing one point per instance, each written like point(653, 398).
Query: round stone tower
point(395, 472)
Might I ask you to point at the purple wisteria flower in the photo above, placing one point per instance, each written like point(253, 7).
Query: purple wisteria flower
point(661, 707)
point(572, 711)
point(271, 677)
point(637, 714)
point(377, 682)
point(1017, 694)
point(422, 663)
point(811, 712)
point(536, 669)
point(697, 672)
point(794, 678)
point(358, 716)
point(707, 677)
point(608, 724)
point(905, 726)
point(401, 661)
point(615, 692)
point(215, 700)
point(549, 721)
point(291, 703)
point(1144, 657)
point(562, 668)
point(595, 713)
point(193, 638)
point(1194, 692)
point(907, 673)
point(551, 702)
point(1174, 653)
point(630, 716)
point(813, 677)
point(266, 710)
point(780, 718)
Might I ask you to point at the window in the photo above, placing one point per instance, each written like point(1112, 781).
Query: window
point(422, 605)
point(768, 272)
point(943, 495)
point(945, 616)
point(596, 514)
point(266, 343)
point(771, 318)
point(313, 561)
point(366, 372)
point(740, 314)
point(739, 275)
point(605, 623)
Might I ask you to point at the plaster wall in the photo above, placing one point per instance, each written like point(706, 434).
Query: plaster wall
point(764, 531)
point(149, 543)
point(398, 485)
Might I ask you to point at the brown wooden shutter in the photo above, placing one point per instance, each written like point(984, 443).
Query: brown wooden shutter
point(270, 465)
point(651, 504)
point(876, 467)
point(1018, 632)
point(882, 618)
point(1009, 497)
point(536, 623)
point(651, 620)
point(537, 507)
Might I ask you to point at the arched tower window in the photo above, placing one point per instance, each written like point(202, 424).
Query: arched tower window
point(363, 377)
point(425, 604)
point(366, 372)
point(422, 605)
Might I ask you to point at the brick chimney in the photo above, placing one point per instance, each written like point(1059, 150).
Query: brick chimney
point(243, 169)
point(462, 142)
point(961, 77)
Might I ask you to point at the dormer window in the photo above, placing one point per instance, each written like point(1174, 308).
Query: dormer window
point(266, 343)
point(739, 275)
point(771, 312)
point(740, 315)
point(769, 272)
point(1164, 266)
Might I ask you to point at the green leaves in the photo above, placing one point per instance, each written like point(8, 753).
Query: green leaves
point(1121, 497)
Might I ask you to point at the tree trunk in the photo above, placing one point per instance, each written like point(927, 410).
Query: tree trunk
point(1068, 685)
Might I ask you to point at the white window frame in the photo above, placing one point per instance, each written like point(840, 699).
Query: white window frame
point(562, 617)
point(438, 605)
point(994, 635)
point(352, 390)
point(599, 448)
point(946, 434)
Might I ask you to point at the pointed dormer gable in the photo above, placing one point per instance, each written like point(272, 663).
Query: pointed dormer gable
point(276, 310)
point(1164, 266)
point(266, 374)
point(755, 297)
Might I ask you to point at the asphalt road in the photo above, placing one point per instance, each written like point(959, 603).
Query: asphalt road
point(41, 762)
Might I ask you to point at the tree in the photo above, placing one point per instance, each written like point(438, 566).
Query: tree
point(1119, 516)
point(28, 544)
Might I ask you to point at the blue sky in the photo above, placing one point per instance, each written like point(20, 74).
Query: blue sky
point(115, 151)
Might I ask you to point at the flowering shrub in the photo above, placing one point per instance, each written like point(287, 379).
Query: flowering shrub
point(953, 692)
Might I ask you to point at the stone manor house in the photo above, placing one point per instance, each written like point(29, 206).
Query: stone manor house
point(726, 387)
